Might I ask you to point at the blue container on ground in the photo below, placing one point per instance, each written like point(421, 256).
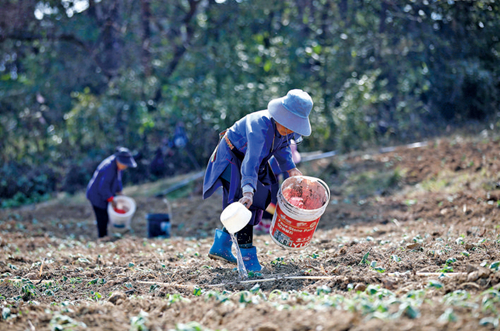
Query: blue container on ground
point(158, 225)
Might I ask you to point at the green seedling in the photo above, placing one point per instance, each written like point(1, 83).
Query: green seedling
point(409, 311)
point(435, 284)
point(395, 258)
point(323, 290)
point(486, 321)
point(28, 289)
point(278, 261)
point(94, 281)
point(495, 265)
point(95, 296)
point(5, 313)
point(197, 291)
point(451, 261)
point(446, 269)
point(252, 274)
point(255, 288)
point(137, 323)
point(448, 316)
point(364, 260)
point(61, 322)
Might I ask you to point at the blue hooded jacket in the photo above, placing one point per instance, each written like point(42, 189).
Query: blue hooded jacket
point(105, 182)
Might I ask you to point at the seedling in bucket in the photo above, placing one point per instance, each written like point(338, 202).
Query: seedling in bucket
point(234, 218)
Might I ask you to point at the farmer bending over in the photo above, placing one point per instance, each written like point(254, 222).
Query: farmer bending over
point(240, 165)
point(106, 183)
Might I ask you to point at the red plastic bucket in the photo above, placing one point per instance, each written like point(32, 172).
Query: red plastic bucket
point(293, 227)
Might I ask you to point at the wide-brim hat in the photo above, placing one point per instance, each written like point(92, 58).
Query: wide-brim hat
point(292, 111)
point(124, 156)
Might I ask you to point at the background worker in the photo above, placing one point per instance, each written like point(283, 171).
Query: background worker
point(106, 183)
point(240, 165)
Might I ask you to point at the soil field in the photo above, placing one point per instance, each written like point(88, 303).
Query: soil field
point(409, 241)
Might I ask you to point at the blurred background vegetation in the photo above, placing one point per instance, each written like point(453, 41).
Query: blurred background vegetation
point(80, 77)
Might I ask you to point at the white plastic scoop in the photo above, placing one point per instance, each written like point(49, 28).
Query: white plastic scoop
point(235, 216)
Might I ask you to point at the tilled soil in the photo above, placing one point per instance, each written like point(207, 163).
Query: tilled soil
point(409, 240)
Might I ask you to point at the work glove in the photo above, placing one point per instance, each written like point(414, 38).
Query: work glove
point(247, 199)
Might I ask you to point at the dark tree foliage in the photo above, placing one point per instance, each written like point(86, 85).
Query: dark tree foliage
point(80, 77)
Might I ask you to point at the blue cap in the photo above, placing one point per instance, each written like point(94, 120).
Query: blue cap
point(124, 156)
point(292, 111)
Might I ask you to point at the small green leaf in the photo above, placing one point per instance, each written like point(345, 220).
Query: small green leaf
point(448, 316)
point(5, 313)
point(411, 312)
point(364, 260)
point(255, 289)
point(197, 291)
point(324, 289)
point(395, 258)
point(435, 283)
point(451, 260)
point(495, 265)
point(489, 321)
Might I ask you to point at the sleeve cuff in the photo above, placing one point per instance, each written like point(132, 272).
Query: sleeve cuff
point(247, 188)
point(110, 199)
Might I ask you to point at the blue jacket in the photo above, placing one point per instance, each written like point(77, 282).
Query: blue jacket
point(257, 137)
point(105, 182)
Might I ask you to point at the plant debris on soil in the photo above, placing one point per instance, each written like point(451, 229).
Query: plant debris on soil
point(409, 240)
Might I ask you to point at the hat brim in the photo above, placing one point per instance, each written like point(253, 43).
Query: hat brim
point(128, 161)
point(289, 120)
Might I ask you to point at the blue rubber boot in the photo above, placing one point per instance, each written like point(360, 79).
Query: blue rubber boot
point(250, 259)
point(221, 248)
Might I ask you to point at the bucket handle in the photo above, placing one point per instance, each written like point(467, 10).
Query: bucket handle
point(169, 208)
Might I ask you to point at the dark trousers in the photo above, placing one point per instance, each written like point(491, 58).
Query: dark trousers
point(102, 218)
